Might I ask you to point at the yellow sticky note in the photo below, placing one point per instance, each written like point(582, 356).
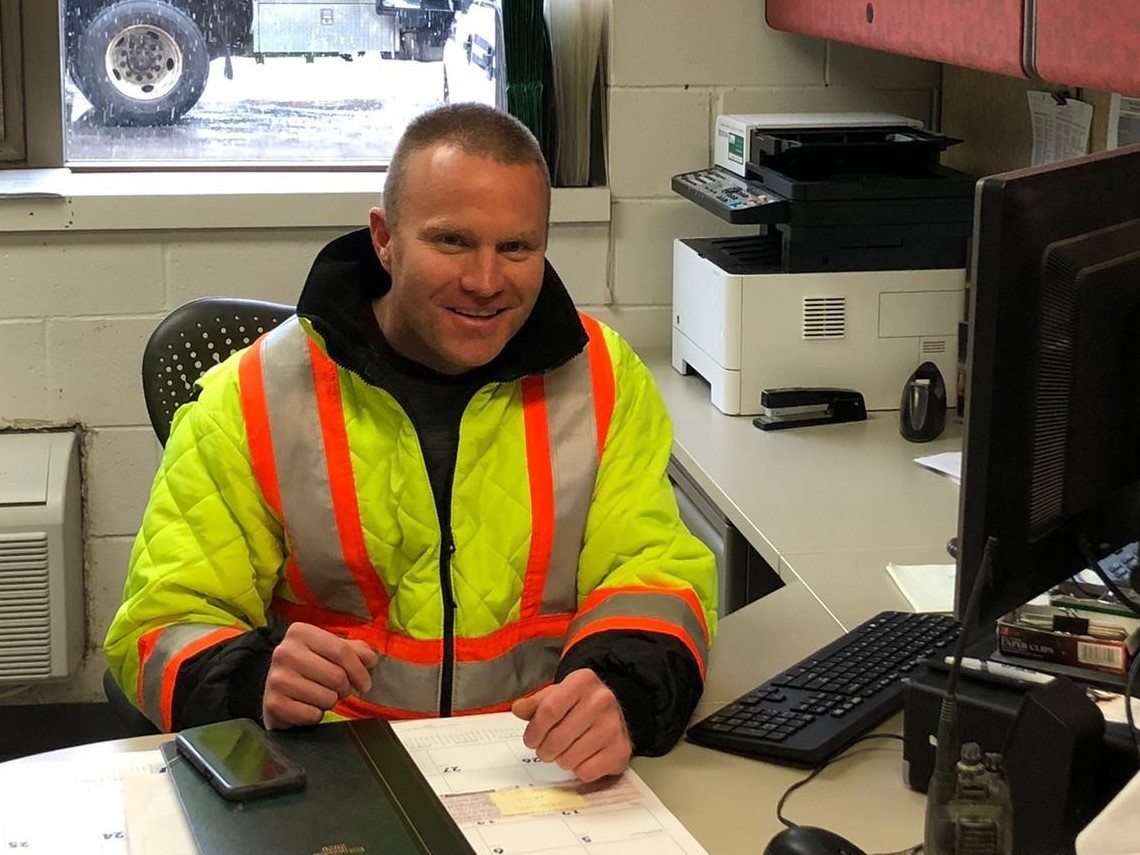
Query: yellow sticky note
point(536, 800)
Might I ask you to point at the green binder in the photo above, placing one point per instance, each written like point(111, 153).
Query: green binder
point(364, 795)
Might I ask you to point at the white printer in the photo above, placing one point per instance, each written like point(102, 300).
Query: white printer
point(857, 275)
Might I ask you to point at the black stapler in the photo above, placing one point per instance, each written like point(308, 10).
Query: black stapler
point(801, 406)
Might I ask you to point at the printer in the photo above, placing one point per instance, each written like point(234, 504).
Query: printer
point(856, 275)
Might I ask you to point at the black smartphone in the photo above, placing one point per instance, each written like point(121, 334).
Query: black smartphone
point(240, 759)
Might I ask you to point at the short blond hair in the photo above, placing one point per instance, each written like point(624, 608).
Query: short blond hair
point(476, 129)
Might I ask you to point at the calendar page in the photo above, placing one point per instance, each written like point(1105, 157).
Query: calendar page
point(508, 802)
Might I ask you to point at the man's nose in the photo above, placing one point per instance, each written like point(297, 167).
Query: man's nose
point(484, 275)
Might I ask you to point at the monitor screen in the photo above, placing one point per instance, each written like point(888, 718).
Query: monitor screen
point(1051, 460)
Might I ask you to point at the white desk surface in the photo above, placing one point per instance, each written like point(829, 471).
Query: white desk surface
point(727, 802)
point(827, 488)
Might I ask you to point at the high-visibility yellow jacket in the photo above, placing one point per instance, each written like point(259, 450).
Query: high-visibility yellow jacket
point(295, 489)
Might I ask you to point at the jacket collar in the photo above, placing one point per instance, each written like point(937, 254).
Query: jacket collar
point(346, 277)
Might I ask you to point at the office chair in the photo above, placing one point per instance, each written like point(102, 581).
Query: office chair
point(189, 341)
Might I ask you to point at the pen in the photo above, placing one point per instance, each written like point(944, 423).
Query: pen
point(999, 672)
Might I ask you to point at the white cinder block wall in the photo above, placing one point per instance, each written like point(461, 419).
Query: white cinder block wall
point(76, 306)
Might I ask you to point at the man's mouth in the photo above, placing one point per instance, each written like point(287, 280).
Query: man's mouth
point(478, 314)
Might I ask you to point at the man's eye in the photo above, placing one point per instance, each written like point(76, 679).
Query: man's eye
point(450, 240)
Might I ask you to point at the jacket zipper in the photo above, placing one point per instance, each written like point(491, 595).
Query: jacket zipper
point(447, 674)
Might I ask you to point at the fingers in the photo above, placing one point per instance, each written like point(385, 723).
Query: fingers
point(524, 708)
point(310, 671)
point(577, 724)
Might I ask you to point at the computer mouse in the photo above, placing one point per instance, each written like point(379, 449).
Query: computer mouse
point(810, 840)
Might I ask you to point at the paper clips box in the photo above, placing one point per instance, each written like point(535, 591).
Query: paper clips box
point(1074, 637)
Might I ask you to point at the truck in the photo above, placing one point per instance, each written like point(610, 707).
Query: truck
point(146, 62)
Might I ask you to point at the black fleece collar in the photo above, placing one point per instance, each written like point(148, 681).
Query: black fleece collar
point(346, 277)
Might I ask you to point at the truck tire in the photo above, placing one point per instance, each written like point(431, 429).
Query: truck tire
point(141, 63)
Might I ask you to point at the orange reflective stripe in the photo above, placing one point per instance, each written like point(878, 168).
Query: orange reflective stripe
point(251, 381)
point(145, 647)
point(341, 482)
point(354, 707)
point(170, 670)
point(655, 625)
point(688, 595)
point(602, 373)
point(541, 494)
point(425, 651)
point(296, 580)
point(503, 640)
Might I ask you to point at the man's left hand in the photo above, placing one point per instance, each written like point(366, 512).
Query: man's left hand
point(577, 724)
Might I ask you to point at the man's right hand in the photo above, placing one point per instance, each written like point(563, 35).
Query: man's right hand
point(310, 671)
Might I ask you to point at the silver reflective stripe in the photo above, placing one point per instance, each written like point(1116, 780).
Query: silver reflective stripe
point(302, 470)
point(573, 435)
point(664, 607)
point(405, 686)
point(170, 643)
point(523, 669)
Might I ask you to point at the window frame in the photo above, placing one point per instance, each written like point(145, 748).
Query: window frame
point(102, 199)
point(12, 143)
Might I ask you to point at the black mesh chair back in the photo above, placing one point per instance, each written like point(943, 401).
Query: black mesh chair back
point(191, 340)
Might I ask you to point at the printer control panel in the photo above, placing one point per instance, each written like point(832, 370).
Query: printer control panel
point(731, 197)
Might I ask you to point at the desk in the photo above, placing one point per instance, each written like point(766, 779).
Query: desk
point(822, 489)
point(729, 803)
point(827, 507)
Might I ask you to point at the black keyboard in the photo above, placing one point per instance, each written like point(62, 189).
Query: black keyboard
point(824, 702)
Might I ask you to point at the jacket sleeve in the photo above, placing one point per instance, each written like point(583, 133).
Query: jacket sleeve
point(189, 644)
point(646, 586)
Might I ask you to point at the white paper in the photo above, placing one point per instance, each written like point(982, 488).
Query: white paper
point(156, 823)
point(507, 801)
point(63, 806)
point(1060, 130)
point(948, 463)
point(1123, 121)
point(927, 587)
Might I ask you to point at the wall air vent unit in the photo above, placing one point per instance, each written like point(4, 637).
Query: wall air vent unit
point(41, 556)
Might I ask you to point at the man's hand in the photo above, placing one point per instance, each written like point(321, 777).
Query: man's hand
point(577, 724)
point(311, 670)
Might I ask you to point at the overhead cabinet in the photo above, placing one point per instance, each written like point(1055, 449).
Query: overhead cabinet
point(1090, 43)
point(983, 34)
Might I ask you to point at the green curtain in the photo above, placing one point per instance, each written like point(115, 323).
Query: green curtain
point(527, 56)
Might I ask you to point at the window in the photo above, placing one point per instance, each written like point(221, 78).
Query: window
point(111, 86)
point(235, 83)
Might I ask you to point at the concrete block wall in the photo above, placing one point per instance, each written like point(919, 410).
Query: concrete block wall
point(76, 307)
point(674, 65)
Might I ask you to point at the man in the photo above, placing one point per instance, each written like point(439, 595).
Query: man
point(438, 490)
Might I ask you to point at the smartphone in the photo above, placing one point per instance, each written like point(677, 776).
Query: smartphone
point(240, 759)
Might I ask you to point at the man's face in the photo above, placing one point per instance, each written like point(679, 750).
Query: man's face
point(466, 257)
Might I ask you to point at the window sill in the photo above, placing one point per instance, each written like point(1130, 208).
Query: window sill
point(150, 201)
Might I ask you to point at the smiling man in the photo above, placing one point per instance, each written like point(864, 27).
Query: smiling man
point(439, 489)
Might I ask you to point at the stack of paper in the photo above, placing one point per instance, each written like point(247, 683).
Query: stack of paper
point(927, 587)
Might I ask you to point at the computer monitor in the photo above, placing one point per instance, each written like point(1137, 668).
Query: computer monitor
point(1052, 447)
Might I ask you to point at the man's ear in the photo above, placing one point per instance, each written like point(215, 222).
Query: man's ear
point(381, 236)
